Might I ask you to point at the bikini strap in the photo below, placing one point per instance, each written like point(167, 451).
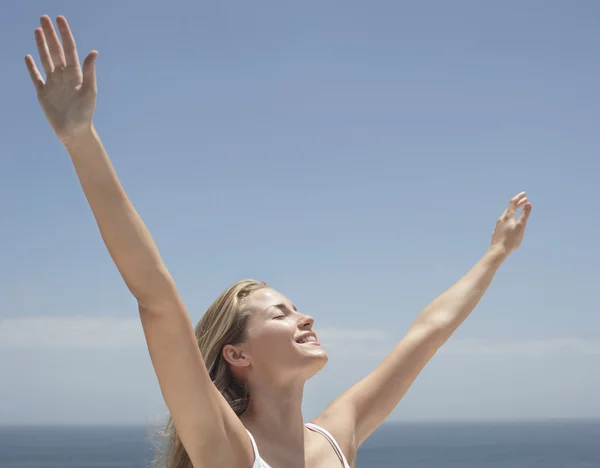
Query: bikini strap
point(254, 446)
point(331, 440)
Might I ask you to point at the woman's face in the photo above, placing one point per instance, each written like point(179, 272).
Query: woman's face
point(280, 343)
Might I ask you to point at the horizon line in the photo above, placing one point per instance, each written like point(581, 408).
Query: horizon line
point(591, 419)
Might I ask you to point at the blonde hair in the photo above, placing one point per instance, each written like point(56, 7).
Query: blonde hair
point(223, 323)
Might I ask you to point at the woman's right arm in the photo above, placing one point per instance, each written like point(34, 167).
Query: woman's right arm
point(209, 429)
point(201, 415)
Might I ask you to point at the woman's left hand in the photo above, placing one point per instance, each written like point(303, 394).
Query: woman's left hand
point(510, 230)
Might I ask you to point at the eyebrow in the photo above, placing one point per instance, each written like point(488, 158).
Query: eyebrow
point(282, 307)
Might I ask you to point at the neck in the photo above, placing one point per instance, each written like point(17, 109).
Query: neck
point(276, 413)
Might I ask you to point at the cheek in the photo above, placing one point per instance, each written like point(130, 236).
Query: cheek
point(272, 338)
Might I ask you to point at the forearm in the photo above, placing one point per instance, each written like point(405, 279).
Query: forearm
point(123, 231)
point(446, 313)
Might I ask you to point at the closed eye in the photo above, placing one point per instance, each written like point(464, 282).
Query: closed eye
point(277, 317)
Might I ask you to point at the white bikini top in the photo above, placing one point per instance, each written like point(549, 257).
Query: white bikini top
point(260, 463)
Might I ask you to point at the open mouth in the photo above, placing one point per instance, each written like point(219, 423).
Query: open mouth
point(308, 339)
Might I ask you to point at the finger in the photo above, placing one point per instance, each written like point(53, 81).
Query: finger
point(56, 50)
point(514, 202)
point(35, 75)
point(45, 58)
point(521, 202)
point(89, 72)
point(525, 212)
point(68, 41)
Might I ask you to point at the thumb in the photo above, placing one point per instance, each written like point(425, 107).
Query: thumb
point(89, 72)
point(525, 212)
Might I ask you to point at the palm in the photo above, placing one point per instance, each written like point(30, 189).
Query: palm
point(68, 96)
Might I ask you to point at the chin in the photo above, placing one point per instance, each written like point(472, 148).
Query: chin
point(315, 362)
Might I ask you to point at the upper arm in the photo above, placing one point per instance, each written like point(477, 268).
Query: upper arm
point(362, 408)
point(205, 422)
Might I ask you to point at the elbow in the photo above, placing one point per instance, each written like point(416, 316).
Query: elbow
point(153, 290)
point(431, 333)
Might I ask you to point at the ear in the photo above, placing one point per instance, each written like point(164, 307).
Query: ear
point(235, 356)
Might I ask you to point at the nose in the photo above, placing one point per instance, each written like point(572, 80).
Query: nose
point(306, 321)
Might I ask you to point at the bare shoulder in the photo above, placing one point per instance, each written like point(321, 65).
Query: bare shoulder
point(339, 422)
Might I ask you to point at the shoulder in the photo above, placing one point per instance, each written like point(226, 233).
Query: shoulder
point(340, 425)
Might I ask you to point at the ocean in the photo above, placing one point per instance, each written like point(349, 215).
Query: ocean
point(423, 445)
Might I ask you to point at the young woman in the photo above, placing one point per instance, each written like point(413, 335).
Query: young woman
point(234, 385)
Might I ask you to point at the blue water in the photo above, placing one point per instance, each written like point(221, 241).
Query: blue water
point(514, 445)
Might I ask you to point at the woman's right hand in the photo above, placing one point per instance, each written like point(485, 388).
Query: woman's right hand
point(211, 432)
point(68, 96)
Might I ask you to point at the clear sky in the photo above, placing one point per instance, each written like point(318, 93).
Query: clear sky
point(353, 154)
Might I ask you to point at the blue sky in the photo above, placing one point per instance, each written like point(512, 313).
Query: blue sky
point(355, 156)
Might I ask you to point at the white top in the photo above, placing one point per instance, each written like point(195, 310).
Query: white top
point(260, 463)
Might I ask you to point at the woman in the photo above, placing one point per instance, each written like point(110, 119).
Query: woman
point(234, 385)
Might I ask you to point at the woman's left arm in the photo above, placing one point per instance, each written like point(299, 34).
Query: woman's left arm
point(368, 403)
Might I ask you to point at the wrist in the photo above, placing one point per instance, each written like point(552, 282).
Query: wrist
point(78, 137)
point(497, 254)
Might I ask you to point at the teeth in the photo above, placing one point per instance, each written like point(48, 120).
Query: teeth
point(307, 339)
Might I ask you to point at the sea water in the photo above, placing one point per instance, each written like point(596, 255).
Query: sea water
point(572, 444)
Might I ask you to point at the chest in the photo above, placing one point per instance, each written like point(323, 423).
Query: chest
point(318, 453)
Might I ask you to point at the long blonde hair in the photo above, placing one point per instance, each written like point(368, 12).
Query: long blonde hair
point(223, 323)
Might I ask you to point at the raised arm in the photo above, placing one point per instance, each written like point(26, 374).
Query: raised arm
point(360, 410)
point(210, 431)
